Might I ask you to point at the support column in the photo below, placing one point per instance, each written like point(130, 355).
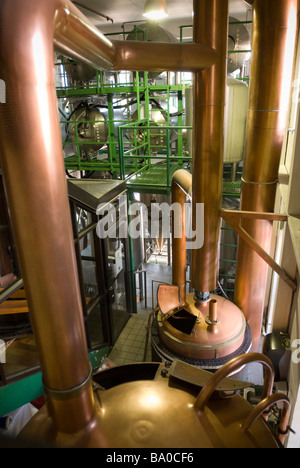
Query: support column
point(273, 47)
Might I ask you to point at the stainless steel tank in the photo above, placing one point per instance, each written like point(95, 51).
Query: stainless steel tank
point(151, 32)
point(87, 127)
point(158, 136)
point(78, 71)
point(238, 39)
point(237, 95)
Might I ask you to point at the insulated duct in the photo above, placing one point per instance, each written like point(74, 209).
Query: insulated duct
point(209, 108)
point(274, 36)
point(151, 32)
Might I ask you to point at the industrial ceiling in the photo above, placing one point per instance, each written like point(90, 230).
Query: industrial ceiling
point(123, 11)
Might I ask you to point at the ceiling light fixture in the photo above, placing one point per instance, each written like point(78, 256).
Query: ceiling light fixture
point(155, 9)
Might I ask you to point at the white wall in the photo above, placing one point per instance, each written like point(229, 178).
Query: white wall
point(287, 304)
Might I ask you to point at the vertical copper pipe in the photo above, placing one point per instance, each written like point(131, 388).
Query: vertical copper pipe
point(263, 406)
point(181, 187)
point(273, 47)
point(210, 28)
point(34, 176)
point(213, 311)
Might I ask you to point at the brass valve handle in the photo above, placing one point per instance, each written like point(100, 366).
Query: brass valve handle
point(229, 368)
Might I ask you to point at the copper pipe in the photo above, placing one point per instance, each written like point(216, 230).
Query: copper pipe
point(181, 187)
point(34, 177)
point(147, 56)
point(263, 406)
point(210, 28)
point(231, 367)
point(274, 39)
point(33, 169)
point(75, 36)
point(183, 181)
point(213, 311)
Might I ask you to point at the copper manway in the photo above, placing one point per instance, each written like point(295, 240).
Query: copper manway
point(208, 330)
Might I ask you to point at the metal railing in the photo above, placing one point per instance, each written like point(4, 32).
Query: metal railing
point(103, 157)
point(143, 146)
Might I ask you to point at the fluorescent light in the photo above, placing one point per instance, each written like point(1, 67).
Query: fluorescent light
point(155, 9)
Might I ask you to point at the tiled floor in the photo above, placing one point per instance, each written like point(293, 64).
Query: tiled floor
point(130, 346)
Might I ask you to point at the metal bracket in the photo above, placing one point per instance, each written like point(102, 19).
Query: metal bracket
point(233, 218)
point(196, 376)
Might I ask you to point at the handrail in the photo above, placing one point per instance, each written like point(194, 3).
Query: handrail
point(150, 129)
point(11, 289)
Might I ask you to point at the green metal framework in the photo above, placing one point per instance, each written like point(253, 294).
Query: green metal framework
point(119, 150)
point(150, 171)
point(120, 155)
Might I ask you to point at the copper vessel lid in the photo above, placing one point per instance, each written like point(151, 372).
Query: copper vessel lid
point(156, 414)
point(190, 323)
point(175, 408)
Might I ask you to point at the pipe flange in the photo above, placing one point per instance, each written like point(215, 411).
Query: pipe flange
point(209, 322)
point(75, 392)
point(202, 296)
